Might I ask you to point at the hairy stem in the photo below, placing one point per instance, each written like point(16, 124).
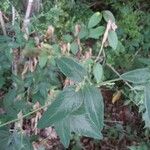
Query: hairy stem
point(24, 116)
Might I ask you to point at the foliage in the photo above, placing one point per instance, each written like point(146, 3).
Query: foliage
point(63, 72)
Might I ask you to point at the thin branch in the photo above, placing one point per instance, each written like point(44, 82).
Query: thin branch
point(108, 82)
point(115, 71)
point(24, 116)
point(2, 23)
point(113, 121)
point(13, 15)
point(105, 36)
point(27, 18)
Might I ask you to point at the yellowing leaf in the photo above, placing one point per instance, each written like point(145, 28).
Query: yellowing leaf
point(116, 96)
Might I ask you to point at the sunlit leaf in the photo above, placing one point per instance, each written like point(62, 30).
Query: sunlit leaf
point(95, 19)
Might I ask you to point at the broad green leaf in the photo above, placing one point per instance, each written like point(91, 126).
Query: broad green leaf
point(95, 19)
point(9, 98)
point(98, 72)
point(4, 138)
point(71, 69)
point(63, 130)
point(96, 32)
point(147, 103)
point(82, 125)
point(113, 39)
point(74, 48)
point(14, 141)
point(65, 103)
point(43, 60)
point(94, 106)
point(108, 16)
point(137, 76)
point(79, 124)
point(145, 61)
point(80, 111)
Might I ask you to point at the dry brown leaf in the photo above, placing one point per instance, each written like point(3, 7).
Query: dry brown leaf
point(49, 33)
point(18, 124)
point(25, 69)
point(116, 96)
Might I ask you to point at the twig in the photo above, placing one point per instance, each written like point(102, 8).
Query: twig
point(115, 71)
point(109, 81)
point(26, 19)
point(134, 56)
point(24, 116)
point(99, 54)
point(105, 36)
point(2, 23)
point(113, 121)
point(13, 15)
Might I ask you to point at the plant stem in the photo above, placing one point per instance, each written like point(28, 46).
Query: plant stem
point(109, 81)
point(24, 116)
point(2, 23)
point(115, 71)
point(99, 54)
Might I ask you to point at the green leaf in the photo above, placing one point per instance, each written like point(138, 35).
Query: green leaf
point(43, 60)
point(4, 138)
point(96, 32)
point(145, 61)
point(68, 38)
point(65, 103)
point(147, 104)
point(71, 69)
point(95, 19)
point(141, 146)
point(108, 16)
point(98, 72)
point(63, 130)
point(82, 125)
point(83, 33)
point(2, 81)
point(94, 106)
point(113, 39)
point(14, 141)
point(79, 124)
point(74, 48)
point(137, 76)
point(9, 98)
